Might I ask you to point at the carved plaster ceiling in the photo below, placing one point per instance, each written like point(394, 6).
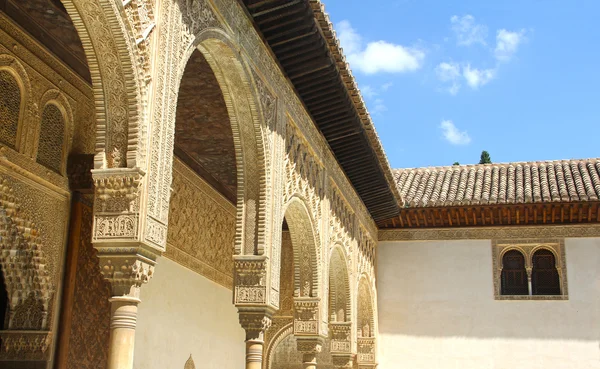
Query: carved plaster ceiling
point(203, 137)
point(49, 23)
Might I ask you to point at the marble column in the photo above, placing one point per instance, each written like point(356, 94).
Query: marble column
point(125, 285)
point(309, 347)
point(122, 332)
point(255, 323)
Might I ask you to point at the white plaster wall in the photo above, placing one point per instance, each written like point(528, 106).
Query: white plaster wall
point(437, 310)
point(183, 313)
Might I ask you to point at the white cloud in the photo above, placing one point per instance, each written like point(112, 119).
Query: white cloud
point(379, 107)
point(386, 86)
point(507, 43)
point(478, 77)
point(449, 73)
point(467, 31)
point(377, 56)
point(453, 135)
point(454, 88)
point(368, 92)
point(348, 37)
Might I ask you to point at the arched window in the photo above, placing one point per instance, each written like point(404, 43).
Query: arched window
point(514, 275)
point(544, 277)
point(52, 132)
point(10, 107)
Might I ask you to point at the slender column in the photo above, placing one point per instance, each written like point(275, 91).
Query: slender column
point(122, 332)
point(128, 242)
point(529, 287)
point(309, 347)
point(255, 323)
point(309, 360)
point(126, 285)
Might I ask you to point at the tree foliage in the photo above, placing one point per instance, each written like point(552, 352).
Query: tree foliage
point(485, 158)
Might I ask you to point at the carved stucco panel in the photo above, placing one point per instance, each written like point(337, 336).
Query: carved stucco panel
point(201, 226)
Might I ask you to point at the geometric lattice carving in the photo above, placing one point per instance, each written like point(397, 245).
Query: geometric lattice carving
point(29, 314)
point(50, 148)
point(10, 103)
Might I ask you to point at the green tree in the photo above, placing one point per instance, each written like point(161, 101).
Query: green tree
point(485, 158)
point(456, 163)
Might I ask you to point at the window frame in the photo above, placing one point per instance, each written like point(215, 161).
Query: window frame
point(528, 247)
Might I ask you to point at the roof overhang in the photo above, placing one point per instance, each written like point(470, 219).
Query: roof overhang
point(302, 39)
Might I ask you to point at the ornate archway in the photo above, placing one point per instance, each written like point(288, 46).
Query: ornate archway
point(340, 312)
point(366, 329)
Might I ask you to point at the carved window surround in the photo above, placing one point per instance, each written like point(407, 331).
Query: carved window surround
point(528, 247)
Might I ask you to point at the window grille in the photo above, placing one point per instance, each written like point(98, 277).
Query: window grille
point(10, 106)
point(544, 277)
point(514, 275)
point(52, 132)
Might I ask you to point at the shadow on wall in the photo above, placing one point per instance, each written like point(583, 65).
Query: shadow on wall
point(445, 289)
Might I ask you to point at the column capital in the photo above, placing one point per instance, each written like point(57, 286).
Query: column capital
point(127, 241)
point(343, 361)
point(255, 322)
point(126, 273)
point(309, 344)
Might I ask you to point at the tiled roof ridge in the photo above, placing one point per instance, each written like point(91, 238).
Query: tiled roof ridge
point(564, 180)
point(336, 50)
point(503, 164)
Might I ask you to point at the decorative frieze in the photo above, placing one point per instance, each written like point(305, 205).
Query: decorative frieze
point(25, 345)
point(366, 350)
point(340, 337)
point(306, 316)
point(250, 280)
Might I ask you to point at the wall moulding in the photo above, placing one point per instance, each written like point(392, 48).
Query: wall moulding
point(489, 233)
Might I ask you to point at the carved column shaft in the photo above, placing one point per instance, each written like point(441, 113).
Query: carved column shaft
point(309, 347)
point(122, 332)
point(255, 322)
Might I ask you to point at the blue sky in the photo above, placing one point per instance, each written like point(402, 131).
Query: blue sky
point(444, 80)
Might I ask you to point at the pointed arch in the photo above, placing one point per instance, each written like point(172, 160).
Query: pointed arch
point(234, 79)
point(53, 131)
point(365, 311)
point(339, 286)
point(304, 245)
point(10, 65)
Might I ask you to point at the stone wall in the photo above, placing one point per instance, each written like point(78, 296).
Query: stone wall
point(184, 314)
point(437, 310)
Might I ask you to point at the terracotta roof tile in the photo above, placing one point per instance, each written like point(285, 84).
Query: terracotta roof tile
point(527, 182)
